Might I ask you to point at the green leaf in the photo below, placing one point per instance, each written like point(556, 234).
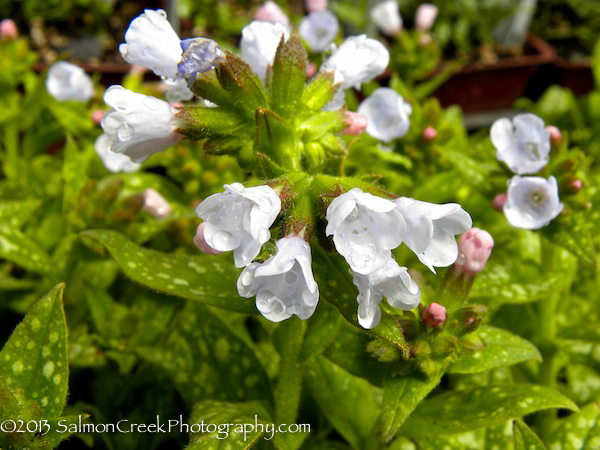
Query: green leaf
point(75, 165)
point(524, 438)
point(588, 332)
point(401, 395)
point(578, 431)
point(478, 407)
point(323, 328)
point(502, 348)
point(207, 360)
point(288, 76)
point(336, 287)
point(351, 404)
point(17, 212)
point(572, 231)
point(207, 279)
point(23, 251)
point(247, 423)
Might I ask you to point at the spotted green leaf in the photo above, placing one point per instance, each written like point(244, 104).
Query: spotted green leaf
point(240, 425)
point(578, 431)
point(206, 360)
point(524, 438)
point(574, 233)
point(207, 279)
point(502, 348)
point(16, 212)
point(22, 250)
point(351, 404)
point(323, 328)
point(478, 407)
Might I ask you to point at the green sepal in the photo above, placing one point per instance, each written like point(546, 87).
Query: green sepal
point(288, 76)
point(319, 92)
point(275, 138)
point(242, 83)
point(268, 168)
point(208, 86)
point(203, 122)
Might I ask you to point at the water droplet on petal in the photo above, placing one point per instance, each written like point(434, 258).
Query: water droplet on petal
point(222, 239)
point(125, 133)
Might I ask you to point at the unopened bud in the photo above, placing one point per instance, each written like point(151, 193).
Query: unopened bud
point(555, 135)
point(566, 166)
point(434, 315)
point(315, 5)
point(425, 16)
point(155, 204)
point(499, 201)
point(311, 69)
point(271, 12)
point(356, 123)
point(97, 116)
point(467, 319)
point(8, 29)
point(425, 40)
point(429, 134)
point(200, 242)
point(570, 185)
point(474, 249)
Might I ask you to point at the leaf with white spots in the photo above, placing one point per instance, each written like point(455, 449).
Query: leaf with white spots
point(17, 212)
point(478, 407)
point(208, 279)
point(578, 431)
point(525, 439)
point(206, 360)
point(236, 421)
point(22, 250)
point(501, 349)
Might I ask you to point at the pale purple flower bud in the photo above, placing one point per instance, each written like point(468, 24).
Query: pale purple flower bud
point(97, 116)
point(387, 17)
point(425, 17)
point(315, 5)
point(311, 69)
point(429, 134)
point(499, 201)
point(474, 249)
point(155, 204)
point(434, 315)
point(356, 123)
point(8, 29)
point(271, 12)
point(555, 135)
point(200, 242)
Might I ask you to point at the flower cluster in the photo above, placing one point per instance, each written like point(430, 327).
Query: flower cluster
point(524, 145)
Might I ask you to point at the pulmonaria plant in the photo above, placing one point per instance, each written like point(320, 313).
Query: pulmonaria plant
point(284, 131)
point(68, 82)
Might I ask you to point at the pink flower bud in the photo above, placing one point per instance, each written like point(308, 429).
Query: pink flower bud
point(311, 69)
point(555, 135)
point(271, 12)
point(426, 14)
point(474, 249)
point(577, 184)
point(425, 40)
point(155, 204)
point(315, 5)
point(97, 116)
point(499, 201)
point(8, 29)
point(200, 242)
point(434, 315)
point(429, 134)
point(356, 123)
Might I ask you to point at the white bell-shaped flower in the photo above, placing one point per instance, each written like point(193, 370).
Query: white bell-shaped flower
point(387, 17)
point(430, 230)
point(259, 44)
point(532, 202)
point(387, 114)
point(319, 29)
point(365, 228)
point(177, 91)
point(115, 162)
point(425, 16)
point(239, 219)
point(151, 42)
point(523, 143)
point(284, 284)
point(66, 81)
point(358, 60)
point(391, 281)
point(138, 125)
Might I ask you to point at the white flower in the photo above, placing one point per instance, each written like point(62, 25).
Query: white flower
point(387, 114)
point(365, 228)
point(259, 44)
point(430, 230)
point(425, 16)
point(532, 202)
point(319, 29)
point(358, 60)
point(523, 144)
point(239, 219)
point(155, 204)
point(115, 162)
point(392, 281)
point(387, 17)
point(284, 284)
point(138, 125)
point(271, 12)
point(151, 42)
point(177, 91)
point(66, 81)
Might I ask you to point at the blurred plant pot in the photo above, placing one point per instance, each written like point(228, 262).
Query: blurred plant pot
point(486, 87)
point(577, 76)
